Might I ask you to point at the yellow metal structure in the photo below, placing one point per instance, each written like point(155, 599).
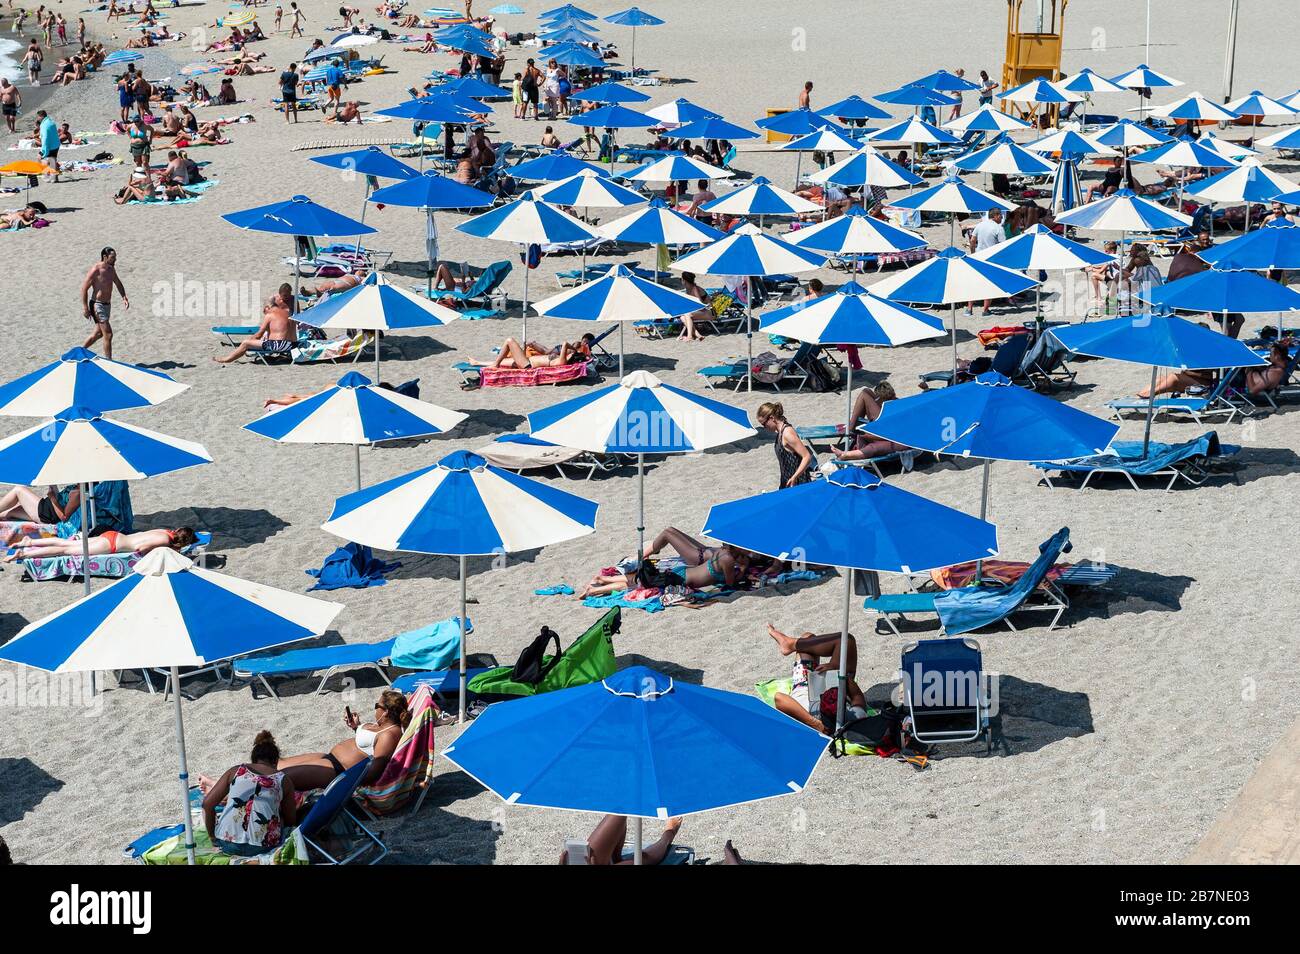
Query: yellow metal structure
point(1033, 54)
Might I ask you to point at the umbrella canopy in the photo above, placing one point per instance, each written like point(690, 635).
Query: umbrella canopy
point(1038, 247)
point(952, 277)
point(568, 10)
point(952, 195)
point(759, 197)
point(428, 190)
point(853, 519)
point(676, 167)
point(1041, 90)
point(1066, 193)
point(986, 119)
point(866, 167)
point(1249, 182)
point(434, 109)
point(856, 233)
point(1257, 104)
point(1069, 143)
point(611, 92)
point(638, 743)
point(659, 225)
point(1127, 134)
point(853, 107)
point(619, 295)
point(466, 41)
point(1086, 81)
point(474, 88)
point(1275, 245)
point(633, 17)
point(795, 122)
point(1006, 157)
point(297, 216)
point(946, 81)
point(1144, 77)
point(1218, 291)
point(1183, 152)
point(506, 9)
point(350, 40)
point(711, 127)
point(822, 140)
point(377, 305)
point(118, 57)
point(552, 167)
point(354, 411)
point(851, 315)
point(527, 220)
point(1283, 139)
point(1124, 211)
point(914, 132)
point(749, 251)
point(80, 446)
point(679, 112)
point(371, 161)
point(571, 54)
point(568, 34)
point(1195, 107)
point(1225, 147)
point(612, 116)
point(81, 378)
point(992, 419)
point(589, 189)
point(914, 95)
point(1163, 341)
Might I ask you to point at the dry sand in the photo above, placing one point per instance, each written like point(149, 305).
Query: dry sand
point(1128, 730)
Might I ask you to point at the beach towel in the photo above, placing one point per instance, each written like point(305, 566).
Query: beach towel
point(654, 604)
point(410, 770)
point(111, 501)
point(531, 377)
point(429, 647)
point(352, 566)
point(171, 850)
point(1005, 572)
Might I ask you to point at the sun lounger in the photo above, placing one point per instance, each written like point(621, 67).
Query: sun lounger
point(480, 376)
point(1190, 461)
point(303, 662)
point(112, 566)
point(768, 368)
point(1006, 361)
point(943, 691)
point(332, 832)
point(975, 607)
point(488, 281)
point(520, 452)
point(1217, 401)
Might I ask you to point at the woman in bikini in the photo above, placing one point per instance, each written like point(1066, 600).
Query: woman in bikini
point(375, 740)
point(705, 566)
point(110, 541)
point(533, 355)
point(866, 407)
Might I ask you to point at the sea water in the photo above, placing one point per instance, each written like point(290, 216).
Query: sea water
point(10, 56)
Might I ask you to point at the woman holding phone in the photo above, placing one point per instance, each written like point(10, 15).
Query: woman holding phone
point(375, 740)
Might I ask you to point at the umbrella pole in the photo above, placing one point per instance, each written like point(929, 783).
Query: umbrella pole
point(952, 318)
point(620, 351)
point(356, 448)
point(428, 258)
point(464, 624)
point(848, 411)
point(85, 564)
point(984, 511)
point(798, 167)
point(364, 203)
point(844, 651)
point(297, 268)
point(184, 775)
point(749, 334)
point(636, 841)
point(640, 509)
point(378, 335)
point(523, 343)
point(1151, 411)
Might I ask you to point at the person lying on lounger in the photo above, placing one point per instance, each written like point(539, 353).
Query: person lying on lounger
point(867, 405)
point(329, 286)
point(375, 740)
point(24, 503)
point(110, 541)
point(256, 800)
point(817, 660)
point(1259, 380)
point(607, 842)
point(534, 355)
point(705, 566)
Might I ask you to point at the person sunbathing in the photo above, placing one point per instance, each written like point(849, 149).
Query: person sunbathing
point(284, 400)
point(143, 41)
point(816, 663)
point(622, 578)
point(1259, 380)
point(277, 334)
point(349, 112)
point(1176, 382)
point(607, 842)
point(867, 405)
point(110, 541)
point(23, 218)
point(330, 286)
point(375, 740)
point(705, 566)
point(692, 288)
point(533, 355)
point(24, 503)
point(256, 800)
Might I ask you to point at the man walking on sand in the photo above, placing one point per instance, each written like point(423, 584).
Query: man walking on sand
point(48, 131)
point(10, 102)
point(97, 298)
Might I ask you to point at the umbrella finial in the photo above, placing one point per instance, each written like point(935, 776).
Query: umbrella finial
point(639, 682)
point(78, 414)
point(462, 460)
point(855, 477)
point(354, 379)
point(162, 561)
point(78, 354)
point(640, 379)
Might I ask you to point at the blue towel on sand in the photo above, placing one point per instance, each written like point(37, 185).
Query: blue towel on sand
point(351, 566)
point(430, 647)
point(653, 605)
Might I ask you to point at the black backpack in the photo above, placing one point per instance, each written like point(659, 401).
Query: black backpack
point(820, 379)
point(530, 667)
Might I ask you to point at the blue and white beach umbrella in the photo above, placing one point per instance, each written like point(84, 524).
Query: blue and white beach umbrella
point(1042, 91)
point(618, 295)
point(1284, 139)
point(986, 119)
point(1086, 81)
point(1124, 211)
point(949, 278)
point(1066, 193)
point(355, 411)
point(1006, 157)
point(1127, 134)
point(657, 224)
point(1069, 143)
point(1144, 77)
point(915, 95)
point(853, 107)
point(589, 189)
point(1228, 148)
point(953, 196)
point(1195, 108)
point(634, 17)
point(553, 167)
point(640, 415)
point(641, 744)
point(81, 378)
point(856, 233)
point(867, 167)
point(1256, 105)
point(913, 132)
point(1250, 182)
point(461, 507)
point(1184, 152)
point(1038, 247)
point(118, 57)
point(856, 521)
point(611, 92)
point(680, 112)
point(822, 140)
point(169, 613)
point(676, 167)
point(759, 198)
point(749, 252)
point(528, 221)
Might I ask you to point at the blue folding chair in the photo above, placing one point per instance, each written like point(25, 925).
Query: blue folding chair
point(943, 691)
point(329, 826)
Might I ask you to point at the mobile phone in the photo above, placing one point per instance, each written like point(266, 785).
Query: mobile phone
point(347, 714)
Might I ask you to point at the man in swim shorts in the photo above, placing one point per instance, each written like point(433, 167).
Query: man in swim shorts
point(97, 298)
point(10, 102)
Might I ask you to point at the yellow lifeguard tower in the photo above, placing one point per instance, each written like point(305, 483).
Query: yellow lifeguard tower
point(1036, 52)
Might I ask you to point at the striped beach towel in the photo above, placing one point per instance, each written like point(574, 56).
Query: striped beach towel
point(411, 768)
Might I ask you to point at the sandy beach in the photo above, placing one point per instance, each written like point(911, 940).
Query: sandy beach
point(1126, 731)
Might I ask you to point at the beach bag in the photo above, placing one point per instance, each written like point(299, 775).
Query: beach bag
point(650, 577)
point(533, 664)
point(590, 658)
point(820, 377)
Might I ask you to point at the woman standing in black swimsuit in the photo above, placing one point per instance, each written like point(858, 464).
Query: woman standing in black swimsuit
point(793, 457)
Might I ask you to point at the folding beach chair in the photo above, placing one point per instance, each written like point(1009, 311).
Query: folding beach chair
point(1045, 365)
point(975, 607)
point(520, 452)
point(327, 660)
point(331, 831)
point(1191, 461)
point(488, 281)
point(1218, 400)
point(943, 691)
point(409, 773)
